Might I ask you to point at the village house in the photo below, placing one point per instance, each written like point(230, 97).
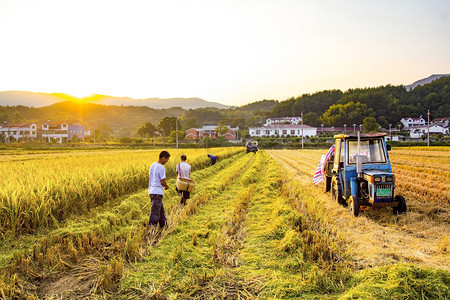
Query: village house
point(285, 120)
point(210, 131)
point(18, 131)
point(410, 122)
point(49, 131)
point(283, 130)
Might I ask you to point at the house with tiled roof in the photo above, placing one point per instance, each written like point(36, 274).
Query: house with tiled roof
point(283, 130)
point(210, 131)
point(283, 120)
point(18, 131)
point(61, 131)
point(410, 122)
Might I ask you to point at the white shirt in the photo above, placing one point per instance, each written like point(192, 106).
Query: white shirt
point(156, 173)
point(183, 170)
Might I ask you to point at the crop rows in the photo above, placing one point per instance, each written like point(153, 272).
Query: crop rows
point(45, 190)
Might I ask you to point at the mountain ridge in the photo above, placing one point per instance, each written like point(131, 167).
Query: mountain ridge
point(424, 81)
point(13, 98)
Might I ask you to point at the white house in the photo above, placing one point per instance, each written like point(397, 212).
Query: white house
point(18, 131)
point(418, 131)
point(283, 130)
point(442, 121)
point(290, 120)
point(61, 131)
point(409, 122)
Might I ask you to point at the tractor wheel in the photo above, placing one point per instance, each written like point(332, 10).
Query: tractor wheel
point(336, 193)
point(354, 205)
point(401, 206)
point(327, 183)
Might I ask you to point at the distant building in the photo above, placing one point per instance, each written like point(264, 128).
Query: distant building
point(62, 131)
point(418, 131)
point(19, 131)
point(49, 131)
point(285, 120)
point(210, 131)
point(445, 122)
point(409, 122)
point(282, 130)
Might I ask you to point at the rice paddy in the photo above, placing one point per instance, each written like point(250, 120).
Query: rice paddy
point(74, 226)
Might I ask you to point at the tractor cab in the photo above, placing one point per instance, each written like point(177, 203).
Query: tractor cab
point(359, 174)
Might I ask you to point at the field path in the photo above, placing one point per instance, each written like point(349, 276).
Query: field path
point(377, 237)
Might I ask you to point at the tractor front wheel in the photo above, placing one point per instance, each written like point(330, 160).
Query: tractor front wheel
point(336, 193)
point(354, 205)
point(401, 206)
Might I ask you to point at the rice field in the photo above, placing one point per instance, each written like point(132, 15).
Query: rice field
point(256, 227)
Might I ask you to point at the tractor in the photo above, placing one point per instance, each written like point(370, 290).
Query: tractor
point(359, 174)
point(252, 146)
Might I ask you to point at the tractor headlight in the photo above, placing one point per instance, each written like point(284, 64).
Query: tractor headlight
point(389, 178)
point(377, 179)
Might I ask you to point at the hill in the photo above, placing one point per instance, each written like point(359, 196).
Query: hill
point(425, 81)
point(44, 99)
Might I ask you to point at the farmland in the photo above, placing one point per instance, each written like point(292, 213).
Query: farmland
point(73, 225)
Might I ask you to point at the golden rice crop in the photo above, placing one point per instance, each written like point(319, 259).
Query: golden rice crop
point(43, 190)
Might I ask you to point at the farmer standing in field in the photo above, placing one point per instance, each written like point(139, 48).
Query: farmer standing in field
point(156, 186)
point(184, 171)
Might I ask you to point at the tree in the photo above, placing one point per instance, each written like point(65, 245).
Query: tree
point(167, 125)
point(173, 136)
point(370, 124)
point(191, 123)
point(148, 130)
point(221, 128)
point(351, 112)
point(102, 133)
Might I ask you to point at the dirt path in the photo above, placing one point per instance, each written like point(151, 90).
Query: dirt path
point(376, 237)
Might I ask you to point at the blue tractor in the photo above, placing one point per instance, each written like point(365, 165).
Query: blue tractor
point(359, 174)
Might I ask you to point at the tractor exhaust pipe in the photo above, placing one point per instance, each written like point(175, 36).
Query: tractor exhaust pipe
point(358, 158)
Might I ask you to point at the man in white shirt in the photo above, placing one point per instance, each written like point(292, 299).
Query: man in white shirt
point(156, 186)
point(184, 171)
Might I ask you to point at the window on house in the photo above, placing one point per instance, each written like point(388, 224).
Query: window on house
point(284, 131)
point(258, 132)
point(292, 131)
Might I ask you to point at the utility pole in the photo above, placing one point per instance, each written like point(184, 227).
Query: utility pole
point(84, 122)
point(302, 130)
point(428, 129)
point(390, 132)
point(345, 128)
point(176, 130)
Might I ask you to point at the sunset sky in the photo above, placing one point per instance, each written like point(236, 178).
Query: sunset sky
point(232, 52)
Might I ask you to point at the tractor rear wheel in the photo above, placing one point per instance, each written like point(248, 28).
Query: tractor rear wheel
point(336, 193)
point(354, 205)
point(401, 206)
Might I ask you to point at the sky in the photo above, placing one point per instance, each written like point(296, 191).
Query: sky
point(232, 52)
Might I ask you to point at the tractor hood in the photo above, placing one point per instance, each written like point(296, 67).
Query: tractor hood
point(376, 173)
point(378, 177)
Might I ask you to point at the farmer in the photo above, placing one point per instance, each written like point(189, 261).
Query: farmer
point(213, 159)
point(183, 170)
point(156, 186)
